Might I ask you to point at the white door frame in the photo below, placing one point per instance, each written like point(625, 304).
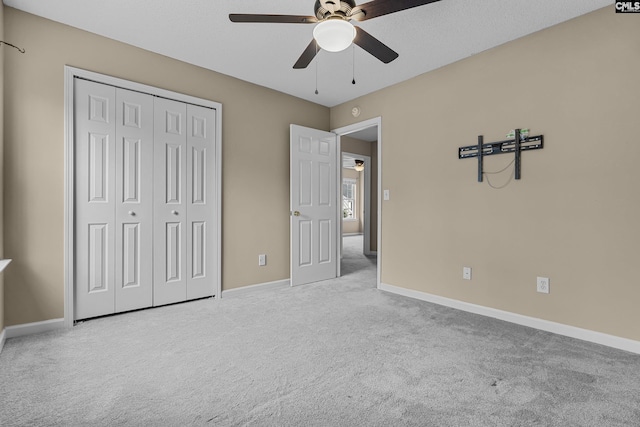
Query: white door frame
point(345, 130)
point(69, 174)
point(366, 202)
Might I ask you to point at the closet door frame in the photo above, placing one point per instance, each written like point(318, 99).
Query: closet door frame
point(70, 73)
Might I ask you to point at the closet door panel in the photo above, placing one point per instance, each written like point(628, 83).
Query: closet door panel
point(201, 277)
point(145, 200)
point(170, 193)
point(94, 132)
point(134, 200)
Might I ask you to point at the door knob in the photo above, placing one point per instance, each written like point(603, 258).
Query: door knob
point(174, 212)
point(132, 213)
point(296, 213)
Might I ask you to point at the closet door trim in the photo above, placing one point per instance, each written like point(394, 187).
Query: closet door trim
point(70, 73)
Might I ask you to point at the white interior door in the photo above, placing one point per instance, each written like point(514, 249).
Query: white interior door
point(314, 214)
point(114, 161)
point(134, 200)
point(200, 203)
point(95, 127)
point(170, 219)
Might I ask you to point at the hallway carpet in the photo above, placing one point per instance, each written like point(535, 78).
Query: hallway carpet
point(334, 353)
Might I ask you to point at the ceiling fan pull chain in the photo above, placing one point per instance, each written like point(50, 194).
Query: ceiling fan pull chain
point(317, 60)
point(354, 65)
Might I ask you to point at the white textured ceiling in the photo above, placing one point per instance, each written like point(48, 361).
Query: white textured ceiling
point(199, 32)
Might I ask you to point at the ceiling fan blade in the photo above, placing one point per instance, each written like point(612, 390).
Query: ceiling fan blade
point(374, 46)
point(307, 56)
point(282, 19)
point(376, 8)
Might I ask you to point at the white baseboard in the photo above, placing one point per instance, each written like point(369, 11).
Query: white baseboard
point(2, 339)
point(532, 322)
point(34, 328)
point(252, 288)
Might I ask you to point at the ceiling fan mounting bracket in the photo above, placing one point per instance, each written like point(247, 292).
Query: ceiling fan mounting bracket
point(328, 8)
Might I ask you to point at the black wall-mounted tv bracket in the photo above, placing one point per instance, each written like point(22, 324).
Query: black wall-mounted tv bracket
point(516, 145)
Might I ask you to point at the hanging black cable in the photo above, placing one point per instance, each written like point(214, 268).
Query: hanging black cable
point(9, 44)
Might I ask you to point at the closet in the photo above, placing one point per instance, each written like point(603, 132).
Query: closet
point(144, 191)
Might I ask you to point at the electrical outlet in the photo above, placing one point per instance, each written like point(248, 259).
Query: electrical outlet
point(543, 285)
point(385, 194)
point(466, 273)
point(262, 259)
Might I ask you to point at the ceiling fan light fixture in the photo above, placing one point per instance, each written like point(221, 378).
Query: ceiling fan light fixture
point(334, 35)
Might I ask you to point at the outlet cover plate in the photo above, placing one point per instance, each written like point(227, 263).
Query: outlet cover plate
point(262, 260)
point(543, 285)
point(466, 273)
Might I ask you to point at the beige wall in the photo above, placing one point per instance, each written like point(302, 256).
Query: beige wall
point(574, 214)
point(355, 146)
point(255, 158)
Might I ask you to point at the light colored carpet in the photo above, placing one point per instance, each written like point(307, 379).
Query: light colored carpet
point(335, 353)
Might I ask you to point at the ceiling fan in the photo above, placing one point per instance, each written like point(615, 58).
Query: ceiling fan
point(333, 31)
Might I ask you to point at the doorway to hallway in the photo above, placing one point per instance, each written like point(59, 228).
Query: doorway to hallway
point(360, 145)
point(355, 261)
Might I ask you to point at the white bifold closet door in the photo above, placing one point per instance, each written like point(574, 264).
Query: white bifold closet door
point(183, 205)
point(144, 203)
point(114, 222)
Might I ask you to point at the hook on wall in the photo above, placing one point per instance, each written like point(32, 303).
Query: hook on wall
point(9, 44)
